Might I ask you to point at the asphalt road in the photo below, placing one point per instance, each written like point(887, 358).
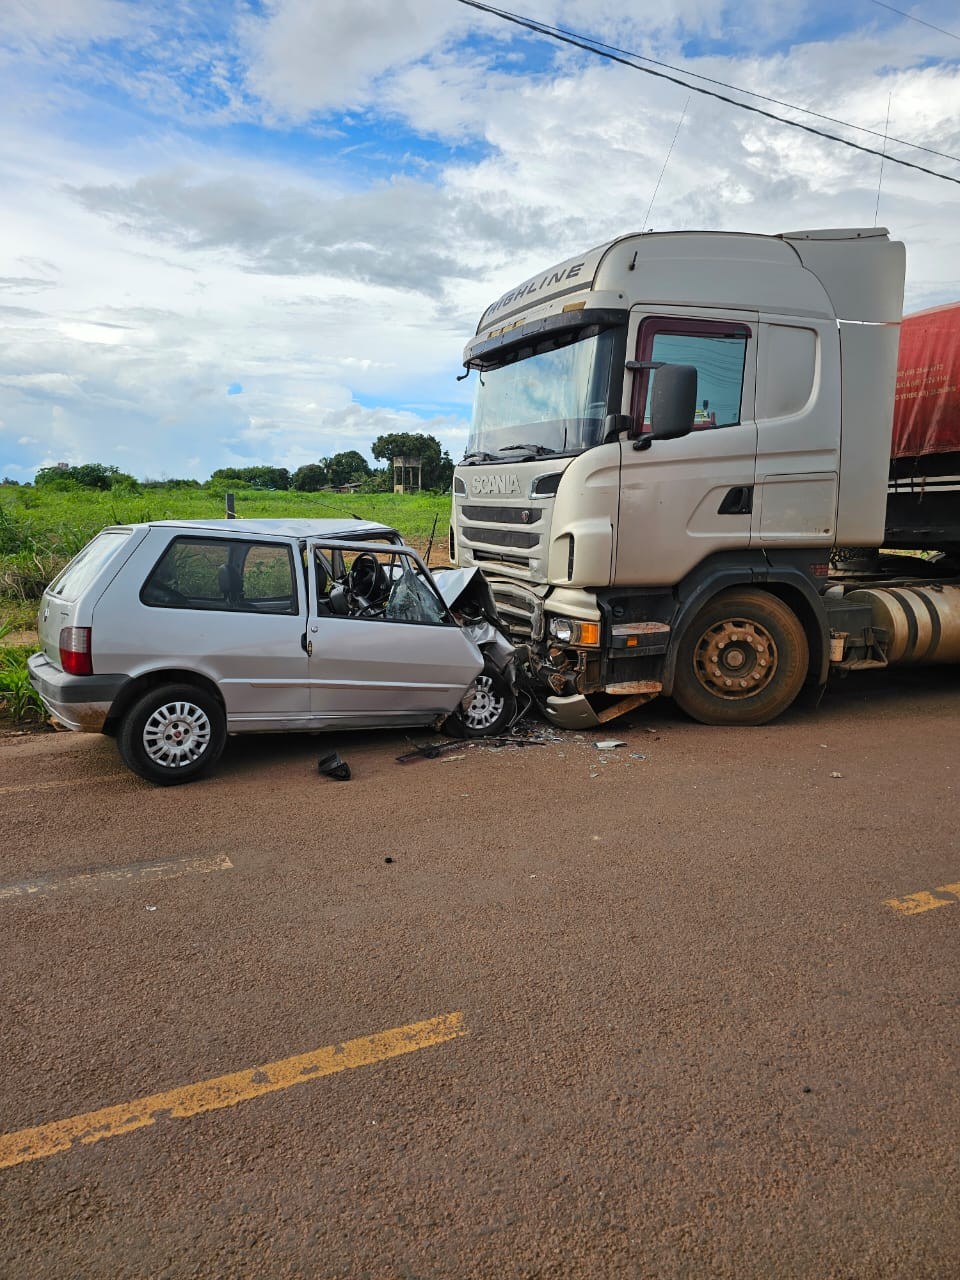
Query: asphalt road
point(684, 1008)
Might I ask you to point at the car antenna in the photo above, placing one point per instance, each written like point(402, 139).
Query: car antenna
point(426, 558)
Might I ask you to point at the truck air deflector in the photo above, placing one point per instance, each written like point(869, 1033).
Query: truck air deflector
point(490, 352)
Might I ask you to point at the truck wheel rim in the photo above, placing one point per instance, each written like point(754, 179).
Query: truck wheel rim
point(176, 734)
point(735, 659)
point(484, 706)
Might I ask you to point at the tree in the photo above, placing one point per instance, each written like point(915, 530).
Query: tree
point(436, 465)
point(171, 483)
point(348, 468)
point(311, 476)
point(254, 477)
point(90, 475)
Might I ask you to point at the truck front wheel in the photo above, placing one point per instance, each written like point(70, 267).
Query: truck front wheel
point(742, 660)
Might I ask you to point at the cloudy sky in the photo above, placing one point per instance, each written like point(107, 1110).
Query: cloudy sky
point(261, 231)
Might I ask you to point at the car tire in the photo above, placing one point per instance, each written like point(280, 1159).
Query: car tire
point(742, 660)
point(488, 707)
point(172, 734)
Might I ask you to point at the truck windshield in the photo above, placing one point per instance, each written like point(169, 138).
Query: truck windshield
point(550, 396)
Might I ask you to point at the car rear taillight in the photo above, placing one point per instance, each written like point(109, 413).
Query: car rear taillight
point(75, 656)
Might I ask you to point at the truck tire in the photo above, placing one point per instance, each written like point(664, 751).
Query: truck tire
point(172, 734)
point(742, 659)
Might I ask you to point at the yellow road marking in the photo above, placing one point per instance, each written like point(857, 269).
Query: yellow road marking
point(225, 1091)
point(916, 903)
point(147, 871)
point(61, 782)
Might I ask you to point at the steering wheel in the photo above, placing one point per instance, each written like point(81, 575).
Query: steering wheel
point(367, 581)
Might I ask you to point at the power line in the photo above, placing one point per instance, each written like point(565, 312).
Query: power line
point(751, 93)
point(580, 42)
point(911, 18)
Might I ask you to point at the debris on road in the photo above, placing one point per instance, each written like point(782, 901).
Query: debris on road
point(609, 744)
point(333, 767)
point(434, 749)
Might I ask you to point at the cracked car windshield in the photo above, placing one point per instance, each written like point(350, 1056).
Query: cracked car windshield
point(553, 394)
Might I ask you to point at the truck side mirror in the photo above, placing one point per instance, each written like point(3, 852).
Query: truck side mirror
point(614, 423)
point(673, 402)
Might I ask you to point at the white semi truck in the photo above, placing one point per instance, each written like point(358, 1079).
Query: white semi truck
point(678, 473)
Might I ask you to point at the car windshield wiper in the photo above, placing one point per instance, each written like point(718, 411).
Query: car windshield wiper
point(538, 450)
point(479, 455)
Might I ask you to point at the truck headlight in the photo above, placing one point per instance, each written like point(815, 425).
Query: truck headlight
point(570, 631)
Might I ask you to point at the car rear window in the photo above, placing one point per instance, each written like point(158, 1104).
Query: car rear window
point(83, 568)
point(223, 574)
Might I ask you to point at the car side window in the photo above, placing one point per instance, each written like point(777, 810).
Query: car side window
point(225, 574)
point(385, 586)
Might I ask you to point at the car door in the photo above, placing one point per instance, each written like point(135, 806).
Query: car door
point(390, 655)
point(230, 608)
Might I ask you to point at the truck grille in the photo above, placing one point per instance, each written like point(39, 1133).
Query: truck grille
point(503, 515)
point(520, 610)
point(501, 537)
point(489, 533)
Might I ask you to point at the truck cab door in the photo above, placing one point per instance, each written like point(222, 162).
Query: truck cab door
point(683, 500)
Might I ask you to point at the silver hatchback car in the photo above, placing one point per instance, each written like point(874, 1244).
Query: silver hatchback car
point(173, 634)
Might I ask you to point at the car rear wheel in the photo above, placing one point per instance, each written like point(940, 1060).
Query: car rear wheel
point(172, 734)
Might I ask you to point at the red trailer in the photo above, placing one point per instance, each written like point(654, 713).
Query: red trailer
point(926, 415)
point(923, 504)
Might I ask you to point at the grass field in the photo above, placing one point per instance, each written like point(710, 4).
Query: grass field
point(41, 530)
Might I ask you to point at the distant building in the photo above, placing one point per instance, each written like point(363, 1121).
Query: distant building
point(406, 475)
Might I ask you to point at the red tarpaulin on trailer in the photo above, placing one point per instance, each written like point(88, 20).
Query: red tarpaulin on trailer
point(926, 416)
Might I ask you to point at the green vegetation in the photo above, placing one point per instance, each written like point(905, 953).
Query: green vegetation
point(19, 702)
point(91, 475)
point(42, 528)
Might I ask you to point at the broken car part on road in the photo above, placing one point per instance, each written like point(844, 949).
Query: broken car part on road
point(434, 749)
point(333, 766)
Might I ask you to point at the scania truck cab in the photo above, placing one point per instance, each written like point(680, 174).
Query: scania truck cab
point(671, 436)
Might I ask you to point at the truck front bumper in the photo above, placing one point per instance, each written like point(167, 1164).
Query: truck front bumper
point(573, 712)
point(81, 703)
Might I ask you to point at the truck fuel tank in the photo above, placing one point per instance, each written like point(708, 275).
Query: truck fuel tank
point(922, 622)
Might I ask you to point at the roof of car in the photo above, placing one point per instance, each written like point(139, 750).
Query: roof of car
point(293, 528)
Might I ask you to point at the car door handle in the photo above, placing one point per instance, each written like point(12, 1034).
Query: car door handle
point(306, 645)
point(737, 501)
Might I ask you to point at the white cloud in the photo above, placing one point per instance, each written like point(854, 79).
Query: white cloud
point(304, 60)
point(142, 274)
point(29, 23)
